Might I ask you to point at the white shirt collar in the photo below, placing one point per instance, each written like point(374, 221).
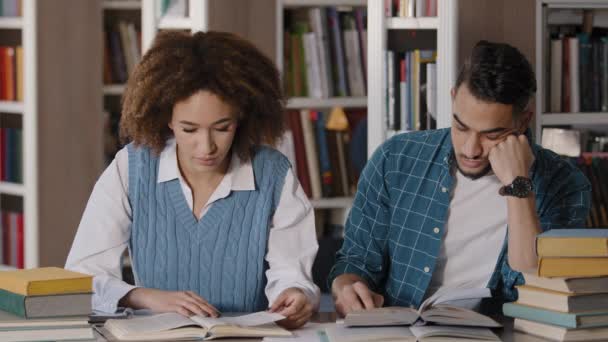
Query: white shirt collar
point(238, 178)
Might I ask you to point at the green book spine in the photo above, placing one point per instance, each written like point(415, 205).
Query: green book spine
point(13, 303)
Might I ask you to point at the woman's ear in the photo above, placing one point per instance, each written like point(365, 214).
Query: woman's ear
point(524, 121)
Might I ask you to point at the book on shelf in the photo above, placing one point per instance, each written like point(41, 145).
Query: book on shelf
point(122, 51)
point(11, 238)
point(172, 326)
point(441, 308)
point(45, 281)
point(558, 333)
point(572, 320)
point(568, 285)
point(410, 8)
point(573, 243)
point(323, 51)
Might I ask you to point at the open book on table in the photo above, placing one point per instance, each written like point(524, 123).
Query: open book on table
point(446, 307)
point(173, 326)
point(427, 333)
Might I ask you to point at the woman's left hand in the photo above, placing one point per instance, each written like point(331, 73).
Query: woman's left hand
point(295, 306)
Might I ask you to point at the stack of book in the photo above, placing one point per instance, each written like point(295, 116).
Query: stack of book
point(45, 303)
point(567, 298)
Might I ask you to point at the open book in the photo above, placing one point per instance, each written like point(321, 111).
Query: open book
point(173, 326)
point(444, 307)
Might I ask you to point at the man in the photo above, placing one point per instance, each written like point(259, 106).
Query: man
point(458, 207)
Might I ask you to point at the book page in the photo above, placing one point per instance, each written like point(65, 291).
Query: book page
point(148, 324)
point(250, 320)
point(341, 333)
point(445, 295)
point(454, 315)
point(382, 316)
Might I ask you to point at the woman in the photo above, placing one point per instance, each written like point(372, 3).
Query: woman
point(212, 218)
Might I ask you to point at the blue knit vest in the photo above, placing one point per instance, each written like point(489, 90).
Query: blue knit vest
point(221, 256)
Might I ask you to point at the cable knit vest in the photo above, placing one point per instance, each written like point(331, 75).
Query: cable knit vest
point(220, 257)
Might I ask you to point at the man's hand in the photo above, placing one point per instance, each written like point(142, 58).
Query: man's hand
point(351, 294)
point(186, 303)
point(295, 306)
point(511, 158)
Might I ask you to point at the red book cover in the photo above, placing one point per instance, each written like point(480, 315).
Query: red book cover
point(3, 76)
point(20, 242)
point(298, 140)
point(6, 238)
point(11, 73)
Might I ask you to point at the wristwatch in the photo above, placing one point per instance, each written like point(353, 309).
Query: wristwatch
point(521, 188)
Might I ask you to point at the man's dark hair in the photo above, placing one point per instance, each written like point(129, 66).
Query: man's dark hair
point(499, 73)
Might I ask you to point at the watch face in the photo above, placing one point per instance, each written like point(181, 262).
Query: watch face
point(521, 187)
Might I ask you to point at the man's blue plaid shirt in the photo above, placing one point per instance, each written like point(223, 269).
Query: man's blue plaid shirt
point(391, 236)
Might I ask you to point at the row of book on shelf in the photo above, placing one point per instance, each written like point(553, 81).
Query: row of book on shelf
point(325, 52)
point(411, 83)
point(595, 167)
point(578, 54)
point(410, 8)
point(11, 155)
point(11, 238)
point(11, 73)
point(11, 8)
point(122, 51)
point(327, 149)
point(566, 298)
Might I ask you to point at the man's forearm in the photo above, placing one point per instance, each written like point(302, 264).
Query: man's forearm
point(524, 225)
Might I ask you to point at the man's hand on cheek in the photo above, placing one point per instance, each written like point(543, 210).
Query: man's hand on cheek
point(511, 158)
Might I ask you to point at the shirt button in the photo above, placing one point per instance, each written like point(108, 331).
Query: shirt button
point(444, 189)
point(436, 230)
point(427, 270)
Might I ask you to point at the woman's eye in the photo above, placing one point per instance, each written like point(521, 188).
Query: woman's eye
point(223, 129)
point(189, 130)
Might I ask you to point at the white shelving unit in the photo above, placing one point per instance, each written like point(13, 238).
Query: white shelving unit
point(311, 102)
point(58, 94)
point(543, 116)
point(378, 26)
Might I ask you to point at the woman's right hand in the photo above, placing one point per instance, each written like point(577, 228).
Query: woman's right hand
point(186, 303)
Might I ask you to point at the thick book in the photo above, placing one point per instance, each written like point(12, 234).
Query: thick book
point(559, 333)
point(342, 333)
point(573, 243)
point(45, 281)
point(573, 267)
point(172, 326)
point(587, 319)
point(14, 328)
point(441, 308)
point(559, 301)
point(568, 285)
point(45, 306)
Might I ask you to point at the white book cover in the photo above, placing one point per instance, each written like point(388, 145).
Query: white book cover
point(287, 147)
point(317, 20)
point(353, 63)
point(411, 8)
point(575, 89)
point(420, 8)
point(313, 76)
point(390, 58)
point(312, 158)
point(431, 89)
point(556, 76)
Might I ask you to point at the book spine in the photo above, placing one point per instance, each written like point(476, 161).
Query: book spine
point(540, 315)
point(13, 303)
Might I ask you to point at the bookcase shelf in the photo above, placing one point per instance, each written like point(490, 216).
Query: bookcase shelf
point(332, 203)
point(15, 23)
point(12, 189)
point(424, 23)
point(11, 107)
point(121, 4)
point(574, 119)
point(175, 23)
point(307, 102)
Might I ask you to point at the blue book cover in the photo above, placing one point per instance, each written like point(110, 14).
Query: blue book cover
point(563, 319)
point(575, 233)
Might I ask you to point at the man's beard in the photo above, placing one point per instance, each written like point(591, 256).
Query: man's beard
point(477, 175)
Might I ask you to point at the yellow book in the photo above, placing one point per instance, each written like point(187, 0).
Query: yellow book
point(19, 59)
point(572, 267)
point(45, 281)
point(573, 243)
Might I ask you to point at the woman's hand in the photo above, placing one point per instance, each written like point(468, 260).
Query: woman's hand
point(295, 306)
point(186, 303)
